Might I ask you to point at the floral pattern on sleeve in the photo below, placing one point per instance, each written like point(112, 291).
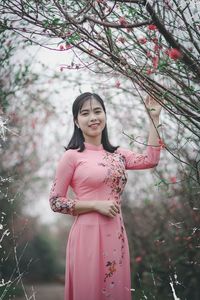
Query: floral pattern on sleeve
point(61, 204)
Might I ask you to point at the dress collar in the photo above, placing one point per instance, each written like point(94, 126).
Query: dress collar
point(93, 147)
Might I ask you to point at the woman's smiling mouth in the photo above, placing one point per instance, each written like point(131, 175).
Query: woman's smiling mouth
point(95, 125)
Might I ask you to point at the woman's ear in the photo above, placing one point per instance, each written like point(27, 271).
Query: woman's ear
point(76, 123)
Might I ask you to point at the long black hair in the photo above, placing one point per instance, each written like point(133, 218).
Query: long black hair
point(77, 140)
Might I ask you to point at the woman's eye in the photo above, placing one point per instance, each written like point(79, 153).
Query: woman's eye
point(99, 111)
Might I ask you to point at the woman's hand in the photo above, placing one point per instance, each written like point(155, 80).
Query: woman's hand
point(107, 208)
point(153, 107)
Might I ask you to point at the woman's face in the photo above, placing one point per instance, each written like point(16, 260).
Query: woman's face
point(91, 119)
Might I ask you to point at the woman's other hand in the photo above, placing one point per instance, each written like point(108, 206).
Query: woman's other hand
point(107, 208)
point(153, 107)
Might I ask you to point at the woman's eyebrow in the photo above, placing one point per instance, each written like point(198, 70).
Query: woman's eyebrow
point(83, 110)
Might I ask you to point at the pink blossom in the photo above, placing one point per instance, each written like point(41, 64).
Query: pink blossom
point(33, 123)
point(121, 39)
point(123, 21)
point(129, 29)
point(173, 179)
point(117, 84)
point(148, 54)
point(149, 71)
point(155, 40)
point(155, 61)
point(61, 47)
point(142, 40)
point(68, 46)
point(174, 53)
point(157, 47)
point(138, 259)
point(152, 27)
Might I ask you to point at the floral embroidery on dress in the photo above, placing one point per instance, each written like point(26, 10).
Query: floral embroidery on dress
point(121, 237)
point(116, 179)
point(111, 269)
point(116, 176)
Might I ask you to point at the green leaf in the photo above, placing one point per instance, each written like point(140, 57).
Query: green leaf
point(73, 38)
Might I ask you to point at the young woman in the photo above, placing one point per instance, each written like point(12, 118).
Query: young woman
point(97, 255)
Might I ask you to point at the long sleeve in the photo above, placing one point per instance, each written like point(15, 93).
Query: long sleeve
point(64, 173)
point(146, 160)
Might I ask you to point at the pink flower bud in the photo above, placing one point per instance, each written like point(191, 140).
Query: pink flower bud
point(138, 259)
point(149, 71)
point(173, 179)
point(117, 84)
point(68, 46)
point(142, 40)
point(155, 61)
point(123, 21)
point(157, 47)
point(174, 53)
point(121, 39)
point(155, 40)
point(148, 54)
point(61, 47)
point(152, 27)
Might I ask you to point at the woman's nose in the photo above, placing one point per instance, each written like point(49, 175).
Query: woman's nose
point(93, 117)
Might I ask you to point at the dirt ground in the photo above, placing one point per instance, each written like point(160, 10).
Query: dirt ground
point(44, 292)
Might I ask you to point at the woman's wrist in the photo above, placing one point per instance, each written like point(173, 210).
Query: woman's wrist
point(155, 119)
point(154, 122)
point(94, 205)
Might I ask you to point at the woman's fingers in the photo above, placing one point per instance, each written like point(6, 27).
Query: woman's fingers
point(114, 209)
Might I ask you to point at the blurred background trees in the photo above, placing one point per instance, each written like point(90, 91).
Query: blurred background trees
point(131, 48)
